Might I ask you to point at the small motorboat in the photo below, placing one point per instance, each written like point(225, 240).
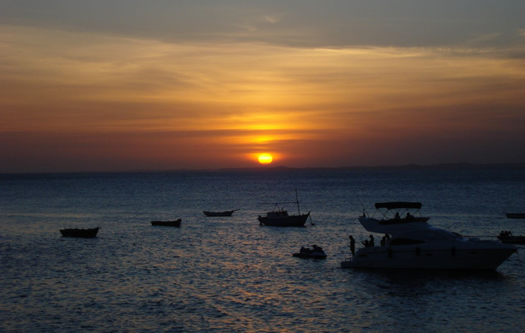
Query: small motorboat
point(316, 252)
point(506, 237)
point(175, 223)
point(224, 213)
point(80, 233)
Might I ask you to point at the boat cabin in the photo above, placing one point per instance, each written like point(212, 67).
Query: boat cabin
point(399, 212)
point(277, 214)
point(424, 236)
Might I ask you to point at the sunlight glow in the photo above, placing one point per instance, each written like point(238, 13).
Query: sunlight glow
point(66, 94)
point(265, 158)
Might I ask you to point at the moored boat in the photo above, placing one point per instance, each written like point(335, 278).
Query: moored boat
point(515, 215)
point(224, 213)
point(418, 245)
point(279, 217)
point(175, 223)
point(80, 233)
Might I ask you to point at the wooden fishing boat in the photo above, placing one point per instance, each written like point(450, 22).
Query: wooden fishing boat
point(515, 215)
point(280, 217)
point(224, 213)
point(175, 223)
point(80, 233)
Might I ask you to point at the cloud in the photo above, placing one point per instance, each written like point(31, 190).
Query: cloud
point(309, 105)
point(305, 23)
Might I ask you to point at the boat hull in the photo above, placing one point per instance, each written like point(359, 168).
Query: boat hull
point(473, 255)
point(80, 233)
point(515, 215)
point(512, 239)
point(215, 214)
point(175, 223)
point(285, 221)
point(310, 255)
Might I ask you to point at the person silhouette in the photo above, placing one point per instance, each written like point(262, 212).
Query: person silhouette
point(352, 245)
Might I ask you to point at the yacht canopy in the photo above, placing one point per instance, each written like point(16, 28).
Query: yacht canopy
point(398, 205)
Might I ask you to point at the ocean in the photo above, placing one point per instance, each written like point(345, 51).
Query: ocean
point(229, 274)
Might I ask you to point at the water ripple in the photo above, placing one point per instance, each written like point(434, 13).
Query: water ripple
point(231, 275)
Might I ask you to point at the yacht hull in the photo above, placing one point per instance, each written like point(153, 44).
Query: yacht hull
point(414, 244)
point(479, 255)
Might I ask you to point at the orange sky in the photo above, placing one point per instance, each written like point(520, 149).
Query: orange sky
point(77, 100)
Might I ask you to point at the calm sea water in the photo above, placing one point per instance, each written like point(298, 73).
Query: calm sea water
point(232, 275)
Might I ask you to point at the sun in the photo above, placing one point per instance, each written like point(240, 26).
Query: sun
point(265, 158)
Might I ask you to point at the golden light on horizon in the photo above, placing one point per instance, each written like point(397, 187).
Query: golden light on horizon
point(227, 103)
point(265, 158)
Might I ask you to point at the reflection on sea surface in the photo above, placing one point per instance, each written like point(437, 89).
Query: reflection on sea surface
point(433, 300)
point(230, 274)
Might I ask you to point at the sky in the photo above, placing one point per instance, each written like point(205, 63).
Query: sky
point(129, 85)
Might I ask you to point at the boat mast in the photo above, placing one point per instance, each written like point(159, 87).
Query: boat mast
point(297, 201)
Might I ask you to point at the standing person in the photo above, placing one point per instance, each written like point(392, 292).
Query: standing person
point(352, 245)
point(371, 241)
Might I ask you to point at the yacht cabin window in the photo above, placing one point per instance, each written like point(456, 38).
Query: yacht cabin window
point(405, 241)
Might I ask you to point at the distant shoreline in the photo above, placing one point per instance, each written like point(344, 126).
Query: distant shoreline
point(407, 167)
point(384, 167)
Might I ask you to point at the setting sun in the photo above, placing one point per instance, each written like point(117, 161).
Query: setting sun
point(265, 158)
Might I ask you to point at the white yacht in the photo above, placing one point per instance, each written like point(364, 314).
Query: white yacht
point(415, 244)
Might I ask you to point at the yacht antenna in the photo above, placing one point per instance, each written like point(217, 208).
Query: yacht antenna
point(364, 214)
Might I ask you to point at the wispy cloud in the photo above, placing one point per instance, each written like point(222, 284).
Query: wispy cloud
point(322, 104)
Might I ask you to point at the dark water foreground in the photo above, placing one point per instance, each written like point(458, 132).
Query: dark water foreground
point(230, 274)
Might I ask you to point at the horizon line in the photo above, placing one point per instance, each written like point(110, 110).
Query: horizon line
point(458, 165)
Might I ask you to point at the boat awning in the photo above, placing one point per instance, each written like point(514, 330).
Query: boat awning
point(398, 205)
